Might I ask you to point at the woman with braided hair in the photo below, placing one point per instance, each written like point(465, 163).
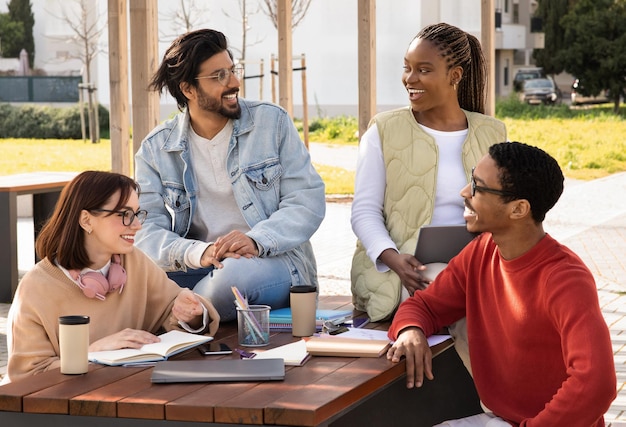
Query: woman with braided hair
point(413, 161)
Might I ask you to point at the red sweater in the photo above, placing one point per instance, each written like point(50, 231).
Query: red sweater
point(540, 349)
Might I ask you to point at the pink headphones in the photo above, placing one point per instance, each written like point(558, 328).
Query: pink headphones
point(96, 285)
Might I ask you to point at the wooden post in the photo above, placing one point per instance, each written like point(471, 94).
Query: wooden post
point(285, 80)
point(273, 74)
point(261, 71)
point(242, 83)
point(488, 36)
point(367, 62)
point(81, 109)
point(305, 103)
point(144, 62)
point(118, 76)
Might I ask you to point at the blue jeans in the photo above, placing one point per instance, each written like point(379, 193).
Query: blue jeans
point(260, 280)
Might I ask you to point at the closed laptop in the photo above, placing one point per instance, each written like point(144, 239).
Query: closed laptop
point(184, 371)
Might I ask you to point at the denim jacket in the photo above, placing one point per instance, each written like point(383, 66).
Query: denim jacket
point(280, 194)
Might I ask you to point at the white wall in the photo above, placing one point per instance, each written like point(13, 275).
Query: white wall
point(327, 36)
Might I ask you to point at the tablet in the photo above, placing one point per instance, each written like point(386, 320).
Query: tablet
point(440, 243)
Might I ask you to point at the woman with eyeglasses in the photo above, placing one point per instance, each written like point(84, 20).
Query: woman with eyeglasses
point(89, 266)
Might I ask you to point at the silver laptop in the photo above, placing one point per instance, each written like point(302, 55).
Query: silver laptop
point(184, 371)
point(440, 243)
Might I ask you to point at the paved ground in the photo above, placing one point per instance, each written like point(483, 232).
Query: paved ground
point(590, 218)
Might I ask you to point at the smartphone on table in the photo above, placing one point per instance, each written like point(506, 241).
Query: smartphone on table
point(213, 347)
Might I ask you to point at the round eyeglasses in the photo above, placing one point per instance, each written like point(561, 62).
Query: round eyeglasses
point(223, 75)
point(128, 216)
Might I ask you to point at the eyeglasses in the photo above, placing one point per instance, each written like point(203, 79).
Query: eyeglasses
point(128, 216)
point(223, 75)
point(486, 189)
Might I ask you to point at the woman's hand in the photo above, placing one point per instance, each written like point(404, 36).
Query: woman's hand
point(127, 338)
point(187, 307)
point(407, 267)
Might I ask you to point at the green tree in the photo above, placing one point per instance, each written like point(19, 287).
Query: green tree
point(11, 35)
point(551, 12)
point(595, 36)
point(21, 11)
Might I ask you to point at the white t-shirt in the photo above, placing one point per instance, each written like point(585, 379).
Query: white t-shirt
point(217, 212)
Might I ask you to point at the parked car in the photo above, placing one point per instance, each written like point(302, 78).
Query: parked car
point(524, 74)
point(578, 98)
point(540, 91)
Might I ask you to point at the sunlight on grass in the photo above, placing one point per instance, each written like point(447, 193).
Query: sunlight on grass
point(588, 143)
point(337, 180)
point(585, 149)
point(53, 155)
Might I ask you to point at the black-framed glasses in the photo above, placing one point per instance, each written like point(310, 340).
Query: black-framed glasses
point(128, 216)
point(223, 75)
point(476, 188)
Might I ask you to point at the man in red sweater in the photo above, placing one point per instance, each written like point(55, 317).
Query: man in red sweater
point(540, 349)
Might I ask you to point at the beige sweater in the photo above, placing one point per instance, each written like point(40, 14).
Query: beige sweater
point(45, 293)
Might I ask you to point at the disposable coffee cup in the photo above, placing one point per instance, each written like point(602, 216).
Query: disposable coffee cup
point(303, 301)
point(253, 325)
point(74, 344)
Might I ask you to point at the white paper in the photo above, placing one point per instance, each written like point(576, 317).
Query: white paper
point(376, 334)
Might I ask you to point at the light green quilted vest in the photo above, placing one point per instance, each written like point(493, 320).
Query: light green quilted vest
point(410, 156)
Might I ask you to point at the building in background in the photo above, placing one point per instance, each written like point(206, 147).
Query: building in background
point(327, 37)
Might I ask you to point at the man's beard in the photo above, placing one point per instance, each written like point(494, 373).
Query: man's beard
point(214, 105)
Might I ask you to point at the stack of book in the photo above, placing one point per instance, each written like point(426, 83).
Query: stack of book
point(280, 319)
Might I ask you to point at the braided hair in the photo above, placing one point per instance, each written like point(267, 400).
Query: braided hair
point(462, 49)
point(528, 173)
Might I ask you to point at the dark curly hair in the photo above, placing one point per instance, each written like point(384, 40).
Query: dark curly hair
point(182, 60)
point(462, 49)
point(528, 173)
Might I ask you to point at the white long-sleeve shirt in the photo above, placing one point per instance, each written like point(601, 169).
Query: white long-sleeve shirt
point(371, 182)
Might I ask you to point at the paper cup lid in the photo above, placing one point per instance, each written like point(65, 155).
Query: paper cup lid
point(303, 289)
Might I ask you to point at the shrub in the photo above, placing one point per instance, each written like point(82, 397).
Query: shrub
point(43, 122)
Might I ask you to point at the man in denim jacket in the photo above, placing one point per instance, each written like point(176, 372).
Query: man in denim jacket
point(231, 194)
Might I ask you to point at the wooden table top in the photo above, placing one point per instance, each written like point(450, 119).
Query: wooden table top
point(24, 182)
point(308, 396)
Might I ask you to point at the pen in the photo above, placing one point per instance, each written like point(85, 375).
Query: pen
point(253, 324)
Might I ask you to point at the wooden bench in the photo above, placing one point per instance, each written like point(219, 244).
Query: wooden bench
point(45, 187)
point(326, 391)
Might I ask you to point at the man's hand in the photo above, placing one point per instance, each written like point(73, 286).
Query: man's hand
point(407, 267)
point(235, 244)
point(413, 345)
point(208, 258)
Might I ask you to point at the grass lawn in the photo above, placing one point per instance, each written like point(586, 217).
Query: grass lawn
point(586, 145)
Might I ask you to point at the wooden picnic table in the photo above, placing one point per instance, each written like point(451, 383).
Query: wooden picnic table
point(45, 188)
point(326, 391)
